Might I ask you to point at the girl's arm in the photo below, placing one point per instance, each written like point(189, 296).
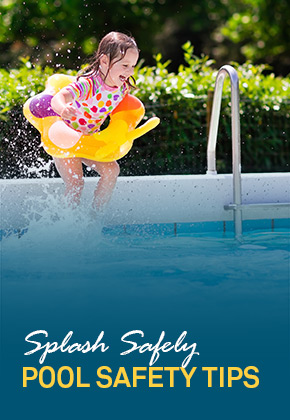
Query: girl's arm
point(60, 103)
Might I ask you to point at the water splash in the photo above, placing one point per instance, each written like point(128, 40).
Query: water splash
point(55, 234)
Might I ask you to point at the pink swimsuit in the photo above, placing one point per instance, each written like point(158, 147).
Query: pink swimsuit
point(94, 101)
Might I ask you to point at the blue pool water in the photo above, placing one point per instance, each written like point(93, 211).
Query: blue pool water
point(66, 272)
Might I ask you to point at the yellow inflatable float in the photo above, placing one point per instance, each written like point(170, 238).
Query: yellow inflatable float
point(107, 145)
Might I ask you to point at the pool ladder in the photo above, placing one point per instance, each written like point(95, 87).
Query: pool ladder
point(237, 206)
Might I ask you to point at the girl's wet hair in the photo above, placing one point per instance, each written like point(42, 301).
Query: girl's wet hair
point(113, 45)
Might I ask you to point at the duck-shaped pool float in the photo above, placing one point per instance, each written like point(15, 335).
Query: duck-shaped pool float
point(107, 145)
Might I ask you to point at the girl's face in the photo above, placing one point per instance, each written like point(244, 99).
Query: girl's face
point(119, 71)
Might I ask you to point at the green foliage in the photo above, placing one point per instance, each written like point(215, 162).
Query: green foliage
point(192, 80)
point(17, 85)
point(63, 32)
point(260, 28)
point(182, 101)
point(197, 77)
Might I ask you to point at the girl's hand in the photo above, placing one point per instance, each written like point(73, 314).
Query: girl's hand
point(68, 112)
point(62, 104)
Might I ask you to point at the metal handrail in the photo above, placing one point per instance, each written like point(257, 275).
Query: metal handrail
point(237, 207)
point(236, 138)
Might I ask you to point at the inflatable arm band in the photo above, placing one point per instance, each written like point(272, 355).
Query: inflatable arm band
point(107, 145)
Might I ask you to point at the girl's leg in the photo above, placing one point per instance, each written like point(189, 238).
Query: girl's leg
point(108, 172)
point(71, 171)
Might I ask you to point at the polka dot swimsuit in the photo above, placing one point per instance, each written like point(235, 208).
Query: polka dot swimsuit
point(94, 101)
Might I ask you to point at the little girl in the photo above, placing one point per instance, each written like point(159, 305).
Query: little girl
point(106, 81)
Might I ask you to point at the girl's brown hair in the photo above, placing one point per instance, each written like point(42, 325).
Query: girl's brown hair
point(113, 45)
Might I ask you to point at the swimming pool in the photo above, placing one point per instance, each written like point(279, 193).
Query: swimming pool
point(155, 226)
point(188, 220)
point(163, 259)
point(63, 245)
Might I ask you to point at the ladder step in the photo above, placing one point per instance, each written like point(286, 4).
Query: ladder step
point(255, 206)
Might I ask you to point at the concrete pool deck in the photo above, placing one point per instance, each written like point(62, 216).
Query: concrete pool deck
point(158, 199)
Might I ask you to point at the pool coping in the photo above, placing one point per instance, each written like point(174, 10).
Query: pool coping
point(159, 199)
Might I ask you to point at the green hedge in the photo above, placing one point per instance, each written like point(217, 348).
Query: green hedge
point(181, 100)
